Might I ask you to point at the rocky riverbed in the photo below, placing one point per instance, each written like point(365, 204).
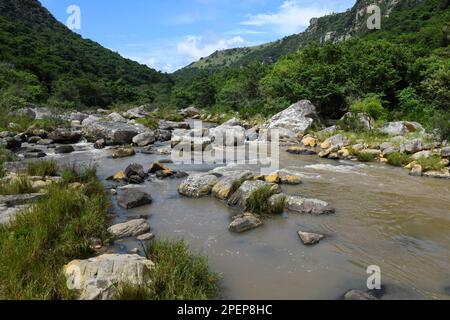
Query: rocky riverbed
point(338, 216)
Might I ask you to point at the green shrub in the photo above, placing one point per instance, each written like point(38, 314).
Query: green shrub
point(43, 168)
point(178, 275)
point(52, 232)
point(259, 202)
point(365, 157)
point(431, 163)
point(399, 159)
point(149, 122)
point(72, 174)
point(371, 105)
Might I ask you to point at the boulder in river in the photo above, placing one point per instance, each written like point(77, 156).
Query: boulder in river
point(245, 222)
point(130, 199)
point(294, 120)
point(308, 206)
point(136, 113)
point(310, 239)
point(130, 229)
point(135, 169)
point(229, 136)
point(412, 146)
point(227, 185)
point(190, 112)
point(114, 133)
point(97, 278)
point(65, 136)
point(336, 141)
point(300, 150)
point(144, 139)
point(401, 128)
point(123, 152)
point(198, 186)
point(64, 149)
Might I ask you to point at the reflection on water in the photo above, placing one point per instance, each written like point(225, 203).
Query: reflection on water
point(384, 217)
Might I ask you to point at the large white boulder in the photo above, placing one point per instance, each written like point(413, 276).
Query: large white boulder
point(96, 278)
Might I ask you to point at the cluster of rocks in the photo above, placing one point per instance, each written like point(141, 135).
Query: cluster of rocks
point(135, 173)
point(235, 187)
point(340, 147)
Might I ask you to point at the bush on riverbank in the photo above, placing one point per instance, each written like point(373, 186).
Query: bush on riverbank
point(365, 157)
point(52, 232)
point(431, 163)
point(178, 275)
point(398, 159)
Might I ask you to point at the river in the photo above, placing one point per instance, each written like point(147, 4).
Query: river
point(383, 217)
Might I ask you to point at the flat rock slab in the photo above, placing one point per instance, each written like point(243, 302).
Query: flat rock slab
point(130, 229)
point(96, 278)
point(198, 186)
point(19, 199)
point(130, 199)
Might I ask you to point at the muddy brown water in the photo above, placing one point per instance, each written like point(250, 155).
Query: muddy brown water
point(384, 217)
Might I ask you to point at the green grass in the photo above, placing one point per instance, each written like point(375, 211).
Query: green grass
point(399, 159)
point(45, 237)
point(43, 168)
point(431, 164)
point(365, 157)
point(178, 275)
point(259, 203)
point(72, 174)
point(21, 185)
point(149, 122)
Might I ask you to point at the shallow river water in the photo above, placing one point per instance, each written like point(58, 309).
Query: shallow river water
point(383, 217)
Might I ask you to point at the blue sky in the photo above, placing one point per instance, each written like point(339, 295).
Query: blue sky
point(170, 34)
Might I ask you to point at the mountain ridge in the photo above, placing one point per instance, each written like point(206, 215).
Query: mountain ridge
point(336, 27)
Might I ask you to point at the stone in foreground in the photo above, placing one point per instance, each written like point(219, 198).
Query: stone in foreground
point(245, 222)
point(130, 199)
point(130, 229)
point(310, 239)
point(96, 278)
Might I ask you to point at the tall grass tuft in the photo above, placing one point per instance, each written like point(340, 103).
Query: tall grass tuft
point(259, 202)
point(43, 168)
point(431, 163)
point(178, 275)
point(20, 185)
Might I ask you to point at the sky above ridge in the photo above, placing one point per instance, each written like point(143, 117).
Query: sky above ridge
point(167, 35)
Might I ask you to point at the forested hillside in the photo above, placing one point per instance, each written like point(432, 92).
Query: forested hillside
point(43, 61)
point(402, 69)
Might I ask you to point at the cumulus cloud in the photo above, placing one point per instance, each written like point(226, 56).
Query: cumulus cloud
point(197, 47)
point(291, 17)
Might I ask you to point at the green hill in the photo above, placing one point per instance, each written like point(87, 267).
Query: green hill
point(43, 61)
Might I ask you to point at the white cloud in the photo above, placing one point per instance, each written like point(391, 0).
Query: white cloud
point(197, 47)
point(291, 17)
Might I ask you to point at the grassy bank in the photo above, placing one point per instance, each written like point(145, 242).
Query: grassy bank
point(52, 232)
point(58, 229)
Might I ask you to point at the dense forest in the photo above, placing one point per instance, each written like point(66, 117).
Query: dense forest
point(42, 61)
point(401, 71)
